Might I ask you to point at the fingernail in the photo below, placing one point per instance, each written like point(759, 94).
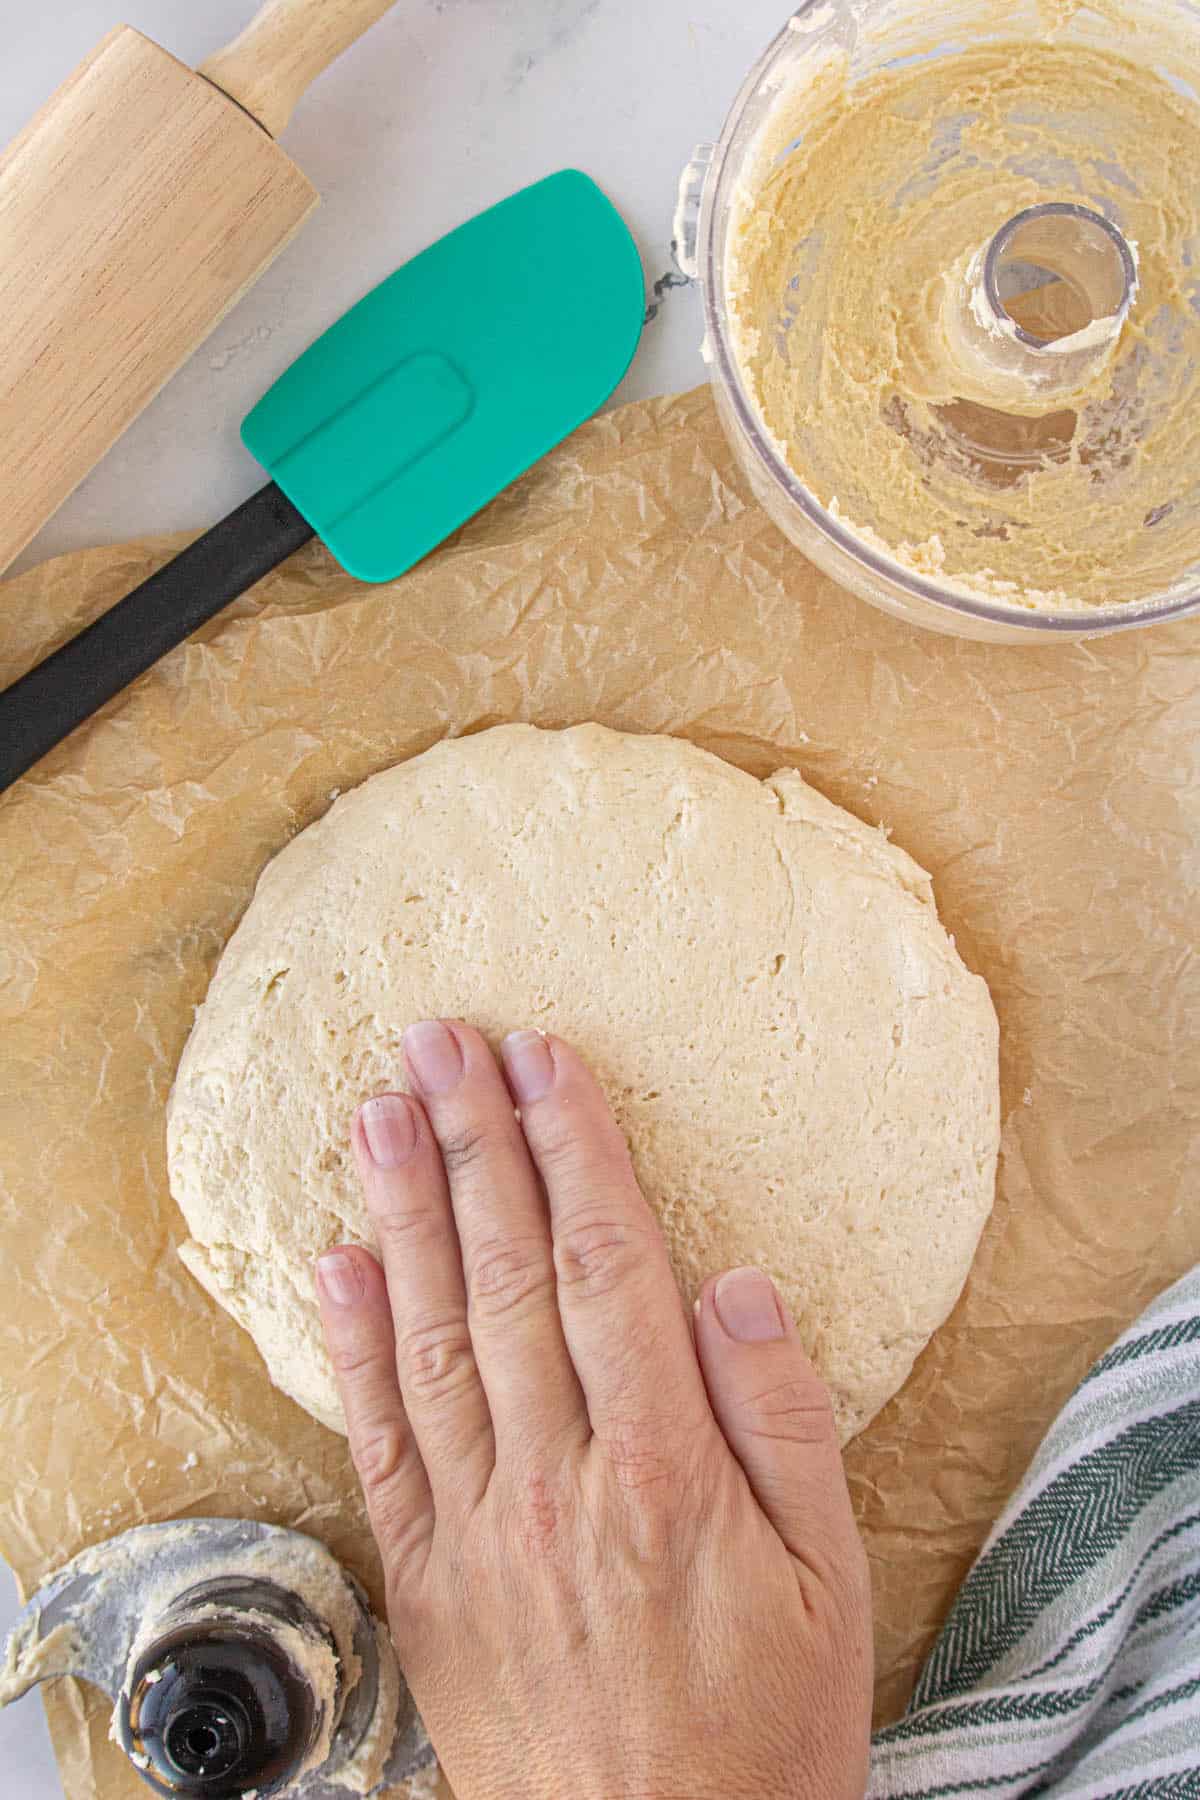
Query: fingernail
point(340, 1280)
point(748, 1307)
point(434, 1056)
point(390, 1130)
point(530, 1064)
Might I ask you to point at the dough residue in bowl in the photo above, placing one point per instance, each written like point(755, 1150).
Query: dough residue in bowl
point(852, 236)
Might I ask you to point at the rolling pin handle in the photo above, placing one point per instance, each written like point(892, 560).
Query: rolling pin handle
point(286, 45)
point(40, 709)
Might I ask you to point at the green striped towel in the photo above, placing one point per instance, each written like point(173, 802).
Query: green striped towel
point(1070, 1662)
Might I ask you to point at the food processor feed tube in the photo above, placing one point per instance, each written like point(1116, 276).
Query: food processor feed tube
point(951, 273)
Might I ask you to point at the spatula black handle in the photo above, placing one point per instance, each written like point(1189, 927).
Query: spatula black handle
point(39, 710)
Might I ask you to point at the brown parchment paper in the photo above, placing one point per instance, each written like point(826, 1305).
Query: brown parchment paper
point(630, 579)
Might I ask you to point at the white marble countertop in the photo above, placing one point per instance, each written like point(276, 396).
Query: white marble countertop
point(445, 107)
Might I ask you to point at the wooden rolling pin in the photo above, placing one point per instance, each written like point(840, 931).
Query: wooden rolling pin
point(135, 209)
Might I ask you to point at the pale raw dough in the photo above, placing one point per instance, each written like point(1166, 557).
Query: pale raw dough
point(805, 1070)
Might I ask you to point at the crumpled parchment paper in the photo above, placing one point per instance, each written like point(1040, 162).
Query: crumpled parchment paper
point(630, 578)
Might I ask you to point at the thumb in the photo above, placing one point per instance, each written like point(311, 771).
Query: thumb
point(774, 1410)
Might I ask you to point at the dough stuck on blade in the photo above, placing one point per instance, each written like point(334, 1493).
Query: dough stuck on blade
point(805, 1071)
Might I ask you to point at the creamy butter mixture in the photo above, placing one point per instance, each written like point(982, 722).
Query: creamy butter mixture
point(852, 274)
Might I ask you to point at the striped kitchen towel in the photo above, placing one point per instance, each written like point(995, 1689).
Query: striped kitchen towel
point(1070, 1662)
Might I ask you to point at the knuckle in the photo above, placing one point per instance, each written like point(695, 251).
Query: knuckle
point(503, 1276)
point(574, 1144)
point(377, 1453)
point(465, 1148)
point(664, 1457)
point(439, 1359)
point(639, 1457)
point(354, 1362)
point(557, 1135)
point(798, 1410)
point(399, 1227)
point(596, 1258)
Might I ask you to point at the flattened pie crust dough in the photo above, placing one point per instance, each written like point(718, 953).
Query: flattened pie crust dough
point(804, 1068)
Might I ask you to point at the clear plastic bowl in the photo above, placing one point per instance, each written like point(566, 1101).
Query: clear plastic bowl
point(874, 31)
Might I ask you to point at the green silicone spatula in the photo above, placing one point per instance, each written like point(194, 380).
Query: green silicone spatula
point(417, 407)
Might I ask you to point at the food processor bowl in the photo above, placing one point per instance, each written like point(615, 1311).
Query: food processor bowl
point(867, 38)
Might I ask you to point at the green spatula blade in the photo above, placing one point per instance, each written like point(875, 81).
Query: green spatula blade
point(455, 375)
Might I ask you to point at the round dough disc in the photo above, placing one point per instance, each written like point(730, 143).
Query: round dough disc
point(805, 1070)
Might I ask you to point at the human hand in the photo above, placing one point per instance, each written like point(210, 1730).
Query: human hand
point(619, 1550)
